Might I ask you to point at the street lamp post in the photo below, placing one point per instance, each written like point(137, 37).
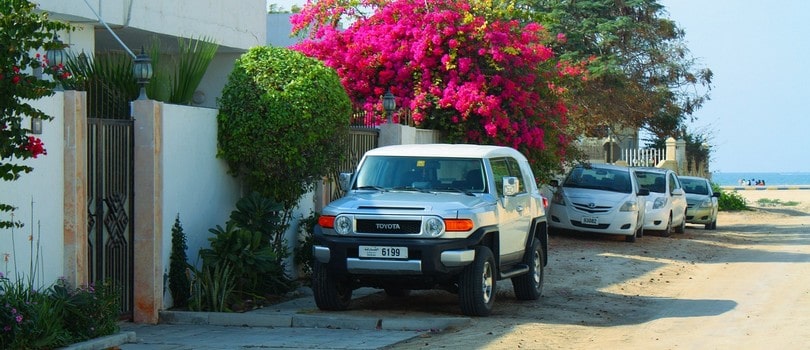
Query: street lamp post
point(389, 104)
point(142, 70)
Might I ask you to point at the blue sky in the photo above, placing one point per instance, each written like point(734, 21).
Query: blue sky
point(759, 52)
point(758, 118)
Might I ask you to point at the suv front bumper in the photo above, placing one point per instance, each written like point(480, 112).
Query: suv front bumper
point(425, 256)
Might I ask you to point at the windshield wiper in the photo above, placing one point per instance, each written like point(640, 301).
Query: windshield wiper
point(410, 188)
point(455, 189)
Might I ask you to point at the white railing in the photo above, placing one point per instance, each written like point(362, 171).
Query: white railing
point(643, 156)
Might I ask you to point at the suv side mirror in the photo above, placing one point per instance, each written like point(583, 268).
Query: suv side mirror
point(716, 194)
point(511, 185)
point(643, 192)
point(345, 181)
point(554, 183)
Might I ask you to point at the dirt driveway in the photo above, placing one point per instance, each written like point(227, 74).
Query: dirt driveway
point(744, 286)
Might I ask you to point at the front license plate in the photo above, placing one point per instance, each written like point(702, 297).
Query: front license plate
point(590, 220)
point(366, 251)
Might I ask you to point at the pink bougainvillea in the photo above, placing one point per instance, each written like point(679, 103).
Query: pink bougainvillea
point(450, 65)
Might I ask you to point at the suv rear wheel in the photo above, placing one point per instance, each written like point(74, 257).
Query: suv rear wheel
point(330, 293)
point(530, 286)
point(477, 284)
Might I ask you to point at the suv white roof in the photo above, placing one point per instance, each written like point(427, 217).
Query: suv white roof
point(446, 150)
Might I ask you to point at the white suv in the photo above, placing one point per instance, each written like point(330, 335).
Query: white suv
point(454, 217)
point(666, 204)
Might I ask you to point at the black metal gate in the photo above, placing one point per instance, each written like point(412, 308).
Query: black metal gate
point(110, 189)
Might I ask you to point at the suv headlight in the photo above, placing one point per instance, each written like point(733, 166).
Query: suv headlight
point(629, 206)
point(706, 204)
point(434, 226)
point(660, 202)
point(343, 225)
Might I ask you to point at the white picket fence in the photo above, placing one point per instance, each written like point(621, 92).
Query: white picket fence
point(643, 156)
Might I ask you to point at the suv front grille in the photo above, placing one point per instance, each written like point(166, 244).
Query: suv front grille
point(389, 226)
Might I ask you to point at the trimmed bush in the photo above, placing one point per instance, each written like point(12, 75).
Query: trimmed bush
point(283, 122)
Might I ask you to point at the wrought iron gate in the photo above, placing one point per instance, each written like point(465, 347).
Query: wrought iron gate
point(110, 189)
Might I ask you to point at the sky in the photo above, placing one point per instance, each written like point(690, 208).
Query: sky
point(758, 118)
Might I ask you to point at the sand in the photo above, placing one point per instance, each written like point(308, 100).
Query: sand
point(734, 287)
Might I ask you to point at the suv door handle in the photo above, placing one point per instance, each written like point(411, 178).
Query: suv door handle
point(519, 208)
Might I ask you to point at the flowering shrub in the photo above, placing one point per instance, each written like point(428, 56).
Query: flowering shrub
point(25, 32)
point(53, 317)
point(458, 66)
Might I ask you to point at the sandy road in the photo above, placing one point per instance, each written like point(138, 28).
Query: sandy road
point(744, 286)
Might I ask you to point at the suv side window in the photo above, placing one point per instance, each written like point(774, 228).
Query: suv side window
point(506, 166)
point(514, 170)
point(499, 170)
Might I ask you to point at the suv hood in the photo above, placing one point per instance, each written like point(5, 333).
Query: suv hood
point(407, 202)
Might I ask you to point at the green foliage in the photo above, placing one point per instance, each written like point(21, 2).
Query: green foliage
point(178, 266)
point(91, 311)
point(23, 32)
point(641, 70)
point(258, 214)
point(282, 123)
point(767, 202)
point(212, 288)
point(244, 251)
point(109, 74)
point(303, 251)
point(729, 200)
point(175, 80)
point(56, 316)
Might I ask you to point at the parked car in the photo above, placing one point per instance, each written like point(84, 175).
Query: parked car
point(666, 204)
point(701, 201)
point(599, 198)
point(454, 217)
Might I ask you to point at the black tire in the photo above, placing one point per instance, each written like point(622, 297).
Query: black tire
point(714, 224)
point(330, 293)
point(530, 286)
point(476, 285)
point(630, 238)
point(640, 231)
point(668, 230)
point(397, 292)
point(682, 227)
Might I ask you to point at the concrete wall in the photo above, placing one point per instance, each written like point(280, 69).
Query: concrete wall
point(195, 182)
point(38, 197)
point(239, 26)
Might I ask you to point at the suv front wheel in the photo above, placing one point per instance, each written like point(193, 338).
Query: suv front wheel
point(477, 284)
point(330, 293)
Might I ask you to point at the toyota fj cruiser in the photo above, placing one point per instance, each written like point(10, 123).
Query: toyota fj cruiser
point(438, 216)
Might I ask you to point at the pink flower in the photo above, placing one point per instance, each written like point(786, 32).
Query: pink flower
point(491, 129)
point(561, 38)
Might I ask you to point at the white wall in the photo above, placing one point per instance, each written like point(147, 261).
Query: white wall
point(241, 26)
point(45, 188)
point(278, 30)
point(196, 184)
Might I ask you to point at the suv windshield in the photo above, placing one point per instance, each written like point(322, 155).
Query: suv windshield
point(422, 173)
point(601, 179)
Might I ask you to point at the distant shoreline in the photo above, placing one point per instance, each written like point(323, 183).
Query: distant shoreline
point(766, 188)
point(780, 179)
